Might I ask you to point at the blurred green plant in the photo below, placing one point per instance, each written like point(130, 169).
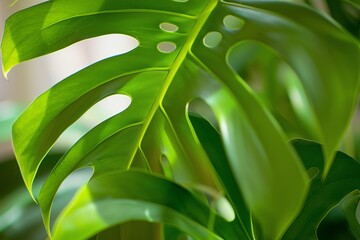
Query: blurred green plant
point(9, 112)
point(218, 89)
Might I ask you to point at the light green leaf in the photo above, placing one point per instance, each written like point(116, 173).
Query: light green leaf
point(137, 196)
point(172, 66)
point(321, 43)
point(342, 179)
point(20, 218)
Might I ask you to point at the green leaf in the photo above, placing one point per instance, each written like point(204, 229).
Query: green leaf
point(137, 196)
point(169, 69)
point(351, 208)
point(324, 195)
point(355, 2)
point(211, 141)
point(132, 231)
point(346, 12)
point(172, 233)
point(321, 42)
point(20, 218)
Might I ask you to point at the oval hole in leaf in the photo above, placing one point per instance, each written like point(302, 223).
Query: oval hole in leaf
point(89, 51)
point(99, 112)
point(168, 27)
point(52, 68)
point(233, 23)
point(182, 1)
point(200, 107)
point(166, 47)
point(212, 39)
point(102, 110)
point(69, 187)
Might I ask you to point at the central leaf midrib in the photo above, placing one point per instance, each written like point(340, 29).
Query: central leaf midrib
point(185, 49)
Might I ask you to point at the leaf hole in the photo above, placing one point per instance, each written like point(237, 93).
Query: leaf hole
point(99, 112)
point(166, 47)
point(182, 1)
point(168, 27)
point(212, 39)
point(68, 189)
point(60, 64)
point(200, 107)
point(233, 23)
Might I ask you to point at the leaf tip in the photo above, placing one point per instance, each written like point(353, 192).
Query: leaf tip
point(5, 72)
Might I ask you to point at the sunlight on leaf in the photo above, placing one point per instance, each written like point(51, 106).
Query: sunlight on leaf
point(99, 112)
point(138, 196)
point(181, 52)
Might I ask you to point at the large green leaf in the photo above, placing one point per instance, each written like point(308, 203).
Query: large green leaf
point(20, 218)
point(211, 141)
point(285, 32)
point(351, 208)
point(324, 195)
point(343, 179)
point(170, 67)
point(138, 196)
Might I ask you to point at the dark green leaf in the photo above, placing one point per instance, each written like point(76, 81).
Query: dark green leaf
point(351, 208)
point(211, 141)
point(324, 195)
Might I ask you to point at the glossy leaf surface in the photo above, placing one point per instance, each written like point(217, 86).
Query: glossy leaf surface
point(343, 179)
point(211, 141)
point(174, 64)
point(137, 196)
point(351, 208)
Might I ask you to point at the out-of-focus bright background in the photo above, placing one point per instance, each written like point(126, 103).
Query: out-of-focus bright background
point(26, 81)
point(20, 217)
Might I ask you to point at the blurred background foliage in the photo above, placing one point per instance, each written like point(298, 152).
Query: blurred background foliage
point(264, 71)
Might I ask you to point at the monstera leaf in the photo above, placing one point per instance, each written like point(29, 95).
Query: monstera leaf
point(341, 185)
point(181, 64)
point(342, 180)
